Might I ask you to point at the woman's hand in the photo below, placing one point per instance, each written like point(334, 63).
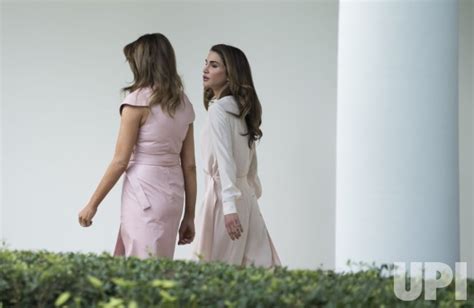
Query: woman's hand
point(186, 231)
point(86, 215)
point(233, 226)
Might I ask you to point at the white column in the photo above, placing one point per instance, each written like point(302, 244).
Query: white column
point(397, 135)
point(1, 134)
point(466, 132)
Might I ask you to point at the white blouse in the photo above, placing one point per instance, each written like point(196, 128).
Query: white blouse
point(226, 152)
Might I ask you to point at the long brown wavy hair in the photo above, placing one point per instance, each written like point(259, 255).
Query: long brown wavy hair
point(240, 86)
point(153, 63)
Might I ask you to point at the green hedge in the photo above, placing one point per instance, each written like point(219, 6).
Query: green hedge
point(45, 279)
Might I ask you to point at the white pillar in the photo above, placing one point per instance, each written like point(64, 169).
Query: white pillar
point(466, 132)
point(1, 135)
point(397, 135)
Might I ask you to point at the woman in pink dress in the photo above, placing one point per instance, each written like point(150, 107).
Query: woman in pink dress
point(155, 150)
point(231, 228)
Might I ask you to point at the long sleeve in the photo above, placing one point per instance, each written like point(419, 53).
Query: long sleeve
point(221, 139)
point(253, 178)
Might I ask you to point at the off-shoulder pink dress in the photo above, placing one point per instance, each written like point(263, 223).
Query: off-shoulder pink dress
point(153, 185)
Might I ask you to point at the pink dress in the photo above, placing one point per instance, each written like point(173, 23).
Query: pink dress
point(153, 185)
point(232, 186)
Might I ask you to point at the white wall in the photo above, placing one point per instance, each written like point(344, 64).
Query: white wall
point(466, 131)
point(62, 70)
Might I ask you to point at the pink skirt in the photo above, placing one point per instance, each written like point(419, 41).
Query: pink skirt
point(152, 205)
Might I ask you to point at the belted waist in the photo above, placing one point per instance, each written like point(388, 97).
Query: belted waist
point(217, 177)
point(165, 160)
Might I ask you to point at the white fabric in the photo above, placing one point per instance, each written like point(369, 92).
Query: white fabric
point(232, 186)
point(231, 152)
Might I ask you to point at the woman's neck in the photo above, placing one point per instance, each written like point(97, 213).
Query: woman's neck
point(218, 93)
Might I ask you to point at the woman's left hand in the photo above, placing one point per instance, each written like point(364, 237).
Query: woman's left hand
point(86, 215)
point(186, 231)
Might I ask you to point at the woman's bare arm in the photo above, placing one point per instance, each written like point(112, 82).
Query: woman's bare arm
point(188, 164)
point(128, 134)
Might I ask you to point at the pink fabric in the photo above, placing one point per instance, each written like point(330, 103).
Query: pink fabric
point(153, 185)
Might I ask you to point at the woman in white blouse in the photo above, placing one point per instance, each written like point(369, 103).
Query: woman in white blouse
point(230, 227)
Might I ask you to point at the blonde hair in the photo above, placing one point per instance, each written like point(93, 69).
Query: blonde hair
point(153, 63)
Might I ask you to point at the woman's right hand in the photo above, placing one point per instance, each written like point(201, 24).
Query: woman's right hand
point(233, 226)
point(86, 215)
